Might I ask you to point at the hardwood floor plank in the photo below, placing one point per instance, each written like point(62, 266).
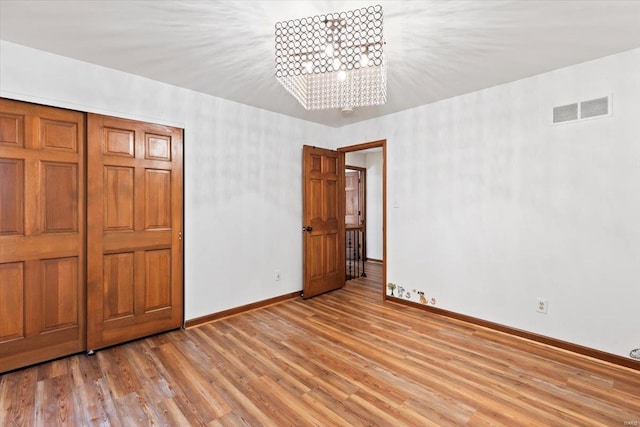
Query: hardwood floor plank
point(291, 382)
point(438, 411)
point(152, 381)
point(88, 411)
point(244, 407)
point(288, 402)
point(233, 360)
point(132, 410)
point(337, 406)
point(118, 371)
point(173, 414)
point(205, 401)
point(396, 414)
point(57, 406)
point(17, 397)
point(230, 420)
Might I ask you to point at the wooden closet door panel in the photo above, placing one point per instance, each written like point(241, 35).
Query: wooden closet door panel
point(42, 213)
point(12, 302)
point(134, 230)
point(11, 196)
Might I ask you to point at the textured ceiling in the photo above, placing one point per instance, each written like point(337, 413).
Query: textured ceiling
point(435, 49)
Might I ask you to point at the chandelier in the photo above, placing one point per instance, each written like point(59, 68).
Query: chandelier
point(334, 60)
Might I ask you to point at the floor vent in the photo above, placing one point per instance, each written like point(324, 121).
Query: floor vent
point(593, 108)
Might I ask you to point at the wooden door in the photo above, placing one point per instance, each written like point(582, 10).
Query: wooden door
point(323, 220)
point(42, 232)
point(134, 242)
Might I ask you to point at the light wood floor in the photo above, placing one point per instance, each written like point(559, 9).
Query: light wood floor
point(344, 358)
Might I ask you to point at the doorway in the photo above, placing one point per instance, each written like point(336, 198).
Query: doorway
point(371, 158)
point(355, 183)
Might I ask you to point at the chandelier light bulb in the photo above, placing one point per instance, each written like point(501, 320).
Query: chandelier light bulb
point(336, 63)
point(308, 66)
point(342, 75)
point(364, 60)
point(329, 50)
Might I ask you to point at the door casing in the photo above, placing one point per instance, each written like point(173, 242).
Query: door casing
point(382, 143)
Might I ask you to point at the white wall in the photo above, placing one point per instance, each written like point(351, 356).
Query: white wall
point(373, 162)
point(496, 207)
point(355, 158)
point(242, 171)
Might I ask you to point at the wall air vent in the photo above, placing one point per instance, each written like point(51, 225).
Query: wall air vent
point(593, 108)
point(565, 113)
point(635, 353)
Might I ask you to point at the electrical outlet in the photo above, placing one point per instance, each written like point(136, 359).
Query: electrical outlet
point(278, 275)
point(543, 305)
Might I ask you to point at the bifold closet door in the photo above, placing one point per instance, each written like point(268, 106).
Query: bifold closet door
point(134, 242)
point(42, 233)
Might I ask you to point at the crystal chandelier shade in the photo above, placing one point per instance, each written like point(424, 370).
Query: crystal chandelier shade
point(334, 60)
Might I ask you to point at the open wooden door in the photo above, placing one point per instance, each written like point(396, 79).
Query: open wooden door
point(323, 206)
point(134, 242)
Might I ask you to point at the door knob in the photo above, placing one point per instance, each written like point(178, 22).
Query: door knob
point(308, 229)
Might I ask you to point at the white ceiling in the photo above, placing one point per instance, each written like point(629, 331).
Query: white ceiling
point(435, 49)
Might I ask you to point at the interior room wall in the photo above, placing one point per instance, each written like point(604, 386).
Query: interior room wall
point(373, 162)
point(355, 158)
point(491, 207)
point(243, 191)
